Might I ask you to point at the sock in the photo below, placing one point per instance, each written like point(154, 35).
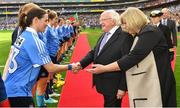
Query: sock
point(40, 100)
point(50, 86)
point(47, 92)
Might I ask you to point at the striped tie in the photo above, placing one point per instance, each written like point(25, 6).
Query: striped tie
point(103, 42)
point(164, 22)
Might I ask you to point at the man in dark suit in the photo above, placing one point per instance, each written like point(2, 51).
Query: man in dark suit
point(112, 45)
point(156, 20)
point(171, 24)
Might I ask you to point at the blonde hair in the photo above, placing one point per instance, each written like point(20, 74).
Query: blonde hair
point(135, 19)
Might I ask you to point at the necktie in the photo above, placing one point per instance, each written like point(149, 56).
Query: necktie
point(103, 42)
point(164, 22)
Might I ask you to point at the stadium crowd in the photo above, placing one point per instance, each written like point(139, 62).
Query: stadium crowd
point(90, 20)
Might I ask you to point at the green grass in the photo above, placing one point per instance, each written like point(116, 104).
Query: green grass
point(5, 37)
point(177, 74)
point(93, 34)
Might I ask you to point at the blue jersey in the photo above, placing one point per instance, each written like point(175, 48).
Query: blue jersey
point(63, 31)
point(42, 37)
point(52, 41)
point(71, 29)
point(29, 53)
point(67, 31)
point(60, 33)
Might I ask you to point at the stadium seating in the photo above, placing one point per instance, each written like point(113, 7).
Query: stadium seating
point(88, 10)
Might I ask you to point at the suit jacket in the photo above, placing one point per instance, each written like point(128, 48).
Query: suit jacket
point(172, 26)
point(117, 46)
point(167, 33)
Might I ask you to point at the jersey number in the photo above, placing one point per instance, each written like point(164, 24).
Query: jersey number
point(13, 61)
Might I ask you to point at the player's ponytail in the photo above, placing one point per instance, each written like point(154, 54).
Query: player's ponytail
point(51, 14)
point(22, 21)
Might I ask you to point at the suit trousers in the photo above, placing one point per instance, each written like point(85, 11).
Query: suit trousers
point(111, 101)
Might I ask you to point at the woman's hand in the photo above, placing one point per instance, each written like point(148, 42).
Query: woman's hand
point(97, 69)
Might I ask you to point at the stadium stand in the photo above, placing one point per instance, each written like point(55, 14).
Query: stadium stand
point(88, 10)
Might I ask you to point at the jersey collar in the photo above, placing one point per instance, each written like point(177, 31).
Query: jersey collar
point(31, 30)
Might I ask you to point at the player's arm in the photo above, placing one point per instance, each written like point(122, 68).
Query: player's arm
point(6, 66)
point(51, 67)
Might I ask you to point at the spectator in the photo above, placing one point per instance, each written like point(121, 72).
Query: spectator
point(171, 24)
point(156, 20)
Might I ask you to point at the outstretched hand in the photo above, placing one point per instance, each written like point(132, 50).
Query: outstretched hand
point(97, 69)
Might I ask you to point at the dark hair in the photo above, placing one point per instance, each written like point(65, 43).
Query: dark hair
point(26, 19)
point(51, 14)
point(25, 9)
point(60, 20)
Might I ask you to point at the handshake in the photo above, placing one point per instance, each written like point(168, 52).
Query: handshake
point(75, 67)
point(95, 68)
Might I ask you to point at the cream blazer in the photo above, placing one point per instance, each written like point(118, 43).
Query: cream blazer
point(143, 83)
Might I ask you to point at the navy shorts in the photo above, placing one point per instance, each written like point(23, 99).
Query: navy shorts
point(3, 94)
point(43, 72)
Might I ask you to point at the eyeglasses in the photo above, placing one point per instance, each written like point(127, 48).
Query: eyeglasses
point(104, 19)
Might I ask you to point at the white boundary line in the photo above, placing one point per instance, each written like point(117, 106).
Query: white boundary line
point(1, 66)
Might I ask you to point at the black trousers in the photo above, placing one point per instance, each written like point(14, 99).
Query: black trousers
point(111, 101)
point(21, 101)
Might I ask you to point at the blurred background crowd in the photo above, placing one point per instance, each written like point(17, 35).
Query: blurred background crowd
point(86, 11)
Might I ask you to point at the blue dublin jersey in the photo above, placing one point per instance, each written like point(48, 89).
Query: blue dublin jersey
point(42, 37)
point(29, 53)
point(52, 41)
point(60, 33)
point(71, 29)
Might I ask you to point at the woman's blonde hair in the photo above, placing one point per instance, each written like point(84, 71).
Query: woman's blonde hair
point(135, 19)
